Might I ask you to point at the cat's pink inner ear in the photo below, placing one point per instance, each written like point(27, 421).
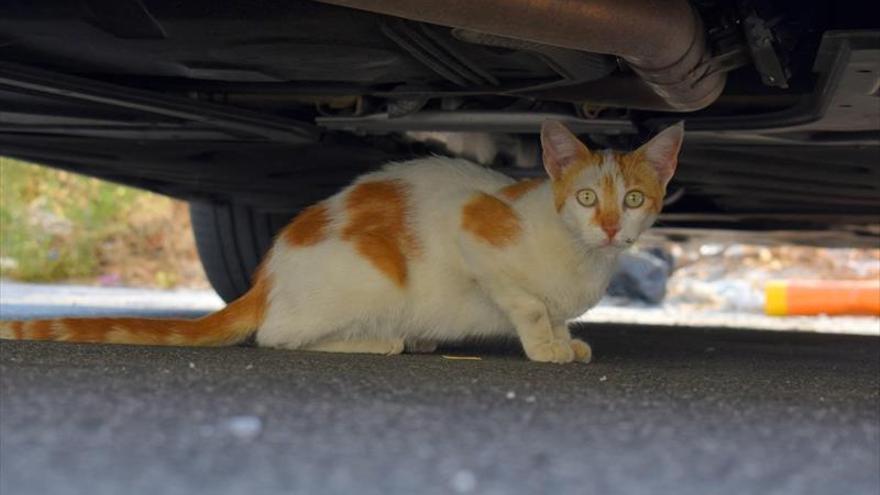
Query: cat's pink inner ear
point(662, 151)
point(560, 148)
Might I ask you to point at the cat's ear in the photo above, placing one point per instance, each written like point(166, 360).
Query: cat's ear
point(560, 148)
point(662, 151)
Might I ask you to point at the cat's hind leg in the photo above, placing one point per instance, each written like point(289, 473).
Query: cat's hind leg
point(387, 347)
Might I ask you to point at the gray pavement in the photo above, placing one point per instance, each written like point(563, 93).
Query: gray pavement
point(662, 410)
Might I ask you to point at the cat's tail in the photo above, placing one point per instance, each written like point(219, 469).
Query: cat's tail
point(229, 326)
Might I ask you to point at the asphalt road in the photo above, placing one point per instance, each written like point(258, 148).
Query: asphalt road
point(660, 411)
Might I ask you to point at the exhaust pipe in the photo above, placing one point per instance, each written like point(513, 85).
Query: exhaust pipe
point(663, 41)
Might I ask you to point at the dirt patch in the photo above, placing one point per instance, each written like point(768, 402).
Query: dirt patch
point(56, 226)
point(155, 249)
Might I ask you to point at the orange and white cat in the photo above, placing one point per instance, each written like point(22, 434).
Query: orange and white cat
point(433, 250)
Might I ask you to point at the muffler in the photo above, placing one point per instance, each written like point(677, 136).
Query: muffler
point(663, 41)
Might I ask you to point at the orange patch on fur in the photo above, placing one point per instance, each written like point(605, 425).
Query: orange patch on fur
point(116, 330)
point(258, 296)
point(608, 211)
point(378, 228)
point(638, 174)
point(309, 227)
point(490, 219)
point(609, 192)
point(518, 189)
point(607, 219)
point(563, 187)
point(38, 329)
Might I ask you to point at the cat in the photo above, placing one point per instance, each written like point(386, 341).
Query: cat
point(432, 250)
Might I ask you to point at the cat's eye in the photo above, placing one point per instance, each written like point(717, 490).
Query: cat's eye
point(586, 197)
point(634, 199)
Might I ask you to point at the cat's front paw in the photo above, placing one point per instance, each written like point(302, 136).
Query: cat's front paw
point(582, 350)
point(554, 351)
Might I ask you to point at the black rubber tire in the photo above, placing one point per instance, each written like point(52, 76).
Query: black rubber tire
point(231, 241)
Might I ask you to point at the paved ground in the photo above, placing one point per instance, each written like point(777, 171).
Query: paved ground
point(660, 411)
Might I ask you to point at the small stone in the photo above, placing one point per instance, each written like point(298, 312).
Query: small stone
point(463, 481)
point(249, 367)
point(192, 365)
point(603, 378)
point(511, 394)
point(244, 427)
point(531, 398)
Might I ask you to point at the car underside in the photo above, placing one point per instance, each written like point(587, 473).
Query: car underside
point(252, 110)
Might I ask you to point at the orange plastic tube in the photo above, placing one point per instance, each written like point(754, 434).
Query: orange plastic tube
point(815, 297)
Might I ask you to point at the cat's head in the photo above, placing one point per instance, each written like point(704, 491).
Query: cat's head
point(609, 198)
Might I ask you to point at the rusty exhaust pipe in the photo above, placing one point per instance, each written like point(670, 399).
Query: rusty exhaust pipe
point(663, 41)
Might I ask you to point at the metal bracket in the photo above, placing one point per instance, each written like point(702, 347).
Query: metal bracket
point(766, 53)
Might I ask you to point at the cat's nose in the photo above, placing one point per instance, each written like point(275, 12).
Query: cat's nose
point(611, 231)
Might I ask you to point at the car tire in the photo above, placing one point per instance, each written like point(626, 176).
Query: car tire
point(231, 241)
